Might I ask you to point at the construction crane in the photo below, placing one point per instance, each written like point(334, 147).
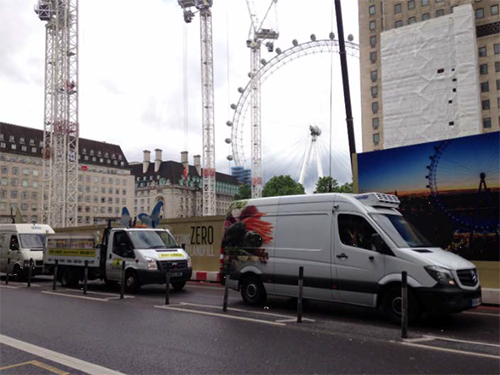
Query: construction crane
point(257, 36)
point(207, 88)
point(60, 128)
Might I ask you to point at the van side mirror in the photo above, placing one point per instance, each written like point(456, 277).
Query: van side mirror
point(14, 247)
point(378, 243)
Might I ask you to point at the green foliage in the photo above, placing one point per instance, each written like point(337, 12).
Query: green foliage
point(282, 185)
point(245, 192)
point(323, 186)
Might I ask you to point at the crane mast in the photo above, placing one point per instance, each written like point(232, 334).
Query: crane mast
point(61, 127)
point(258, 36)
point(207, 89)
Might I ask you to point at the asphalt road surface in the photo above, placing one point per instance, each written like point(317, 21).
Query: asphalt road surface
point(65, 332)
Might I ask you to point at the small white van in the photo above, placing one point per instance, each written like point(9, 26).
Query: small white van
point(353, 248)
point(20, 243)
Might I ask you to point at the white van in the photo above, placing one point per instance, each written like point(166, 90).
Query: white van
point(353, 248)
point(20, 243)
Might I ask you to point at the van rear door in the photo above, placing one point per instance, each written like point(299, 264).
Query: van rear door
point(359, 267)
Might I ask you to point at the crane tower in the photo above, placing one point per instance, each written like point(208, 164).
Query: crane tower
point(259, 35)
point(207, 89)
point(61, 128)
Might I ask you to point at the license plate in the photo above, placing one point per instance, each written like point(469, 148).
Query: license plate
point(175, 274)
point(476, 302)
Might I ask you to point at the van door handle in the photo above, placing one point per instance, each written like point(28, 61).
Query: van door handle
point(342, 256)
point(110, 256)
point(371, 257)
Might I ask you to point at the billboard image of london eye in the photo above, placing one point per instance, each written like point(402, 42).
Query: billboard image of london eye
point(449, 189)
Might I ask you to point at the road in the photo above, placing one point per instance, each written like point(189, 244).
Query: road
point(46, 332)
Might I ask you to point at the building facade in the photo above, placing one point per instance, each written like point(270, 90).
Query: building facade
point(180, 192)
point(105, 183)
point(377, 16)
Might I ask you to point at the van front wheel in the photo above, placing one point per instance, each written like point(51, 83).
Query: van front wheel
point(252, 291)
point(392, 304)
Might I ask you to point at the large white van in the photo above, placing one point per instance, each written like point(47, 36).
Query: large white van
point(353, 248)
point(20, 243)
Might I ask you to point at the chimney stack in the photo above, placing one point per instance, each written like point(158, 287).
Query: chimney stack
point(147, 160)
point(157, 159)
point(197, 164)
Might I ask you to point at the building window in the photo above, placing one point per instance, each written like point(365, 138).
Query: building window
point(375, 107)
point(439, 12)
point(376, 139)
point(371, 10)
point(375, 123)
point(372, 25)
point(374, 91)
point(373, 41)
point(373, 57)
point(15, 170)
point(485, 87)
point(13, 182)
point(5, 170)
point(411, 4)
point(479, 13)
point(426, 16)
point(496, 48)
point(485, 105)
point(482, 51)
point(13, 194)
point(487, 122)
point(397, 8)
point(498, 84)
point(483, 69)
point(398, 24)
point(412, 20)
point(425, 3)
point(373, 75)
point(25, 183)
point(494, 10)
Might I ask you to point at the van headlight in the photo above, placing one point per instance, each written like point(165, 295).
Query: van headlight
point(189, 261)
point(152, 266)
point(441, 275)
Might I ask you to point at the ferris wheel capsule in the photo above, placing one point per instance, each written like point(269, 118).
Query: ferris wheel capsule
point(313, 37)
point(295, 42)
point(228, 140)
point(241, 90)
point(229, 123)
point(332, 36)
point(263, 62)
point(230, 157)
point(233, 106)
point(278, 51)
point(350, 38)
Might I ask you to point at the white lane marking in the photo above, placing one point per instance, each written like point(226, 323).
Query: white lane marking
point(9, 287)
point(246, 311)
point(419, 339)
point(485, 314)
point(20, 285)
point(221, 315)
point(451, 350)
point(114, 295)
point(60, 358)
point(74, 296)
point(204, 287)
point(464, 341)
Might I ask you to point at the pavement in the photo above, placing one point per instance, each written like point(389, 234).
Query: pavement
point(44, 331)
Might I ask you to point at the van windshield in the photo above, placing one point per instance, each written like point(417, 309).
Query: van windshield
point(401, 231)
point(32, 241)
point(152, 240)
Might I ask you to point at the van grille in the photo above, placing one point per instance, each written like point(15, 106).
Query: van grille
point(174, 265)
point(468, 277)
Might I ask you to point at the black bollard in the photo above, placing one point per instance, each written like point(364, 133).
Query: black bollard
point(299, 300)
point(7, 275)
point(29, 272)
point(122, 289)
point(404, 305)
point(85, 276)
point(55, 275)
point(226, 292)
point(167, 286)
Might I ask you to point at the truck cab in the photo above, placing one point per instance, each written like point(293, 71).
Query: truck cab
point(18, 244)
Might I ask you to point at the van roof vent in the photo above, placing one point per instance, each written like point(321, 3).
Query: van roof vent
point(422, 251)
point(378, 199)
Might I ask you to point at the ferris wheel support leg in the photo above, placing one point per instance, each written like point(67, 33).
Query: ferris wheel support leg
point(305, 164)
point(318, 161)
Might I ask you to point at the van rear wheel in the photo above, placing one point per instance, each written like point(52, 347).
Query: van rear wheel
point(392, 305)
point(69, 278)
point(132, 283)
point(252, 291)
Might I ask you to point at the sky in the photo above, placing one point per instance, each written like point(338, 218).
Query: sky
point(133, 57)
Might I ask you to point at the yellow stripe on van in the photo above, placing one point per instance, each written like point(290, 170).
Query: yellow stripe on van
point(171, 255)
point(73, 252)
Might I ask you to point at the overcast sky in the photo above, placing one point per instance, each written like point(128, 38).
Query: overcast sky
point(131, 78)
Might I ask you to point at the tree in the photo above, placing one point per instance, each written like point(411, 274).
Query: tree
point(323, 186)
point(282, 185)
point(245, 192)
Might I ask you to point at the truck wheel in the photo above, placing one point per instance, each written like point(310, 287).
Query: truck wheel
point(178, 285)
point(69, 278)
point(392, 304)
point(132, 283)
point(252, 291)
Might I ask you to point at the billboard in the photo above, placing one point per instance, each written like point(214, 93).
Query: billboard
point(448, 189)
